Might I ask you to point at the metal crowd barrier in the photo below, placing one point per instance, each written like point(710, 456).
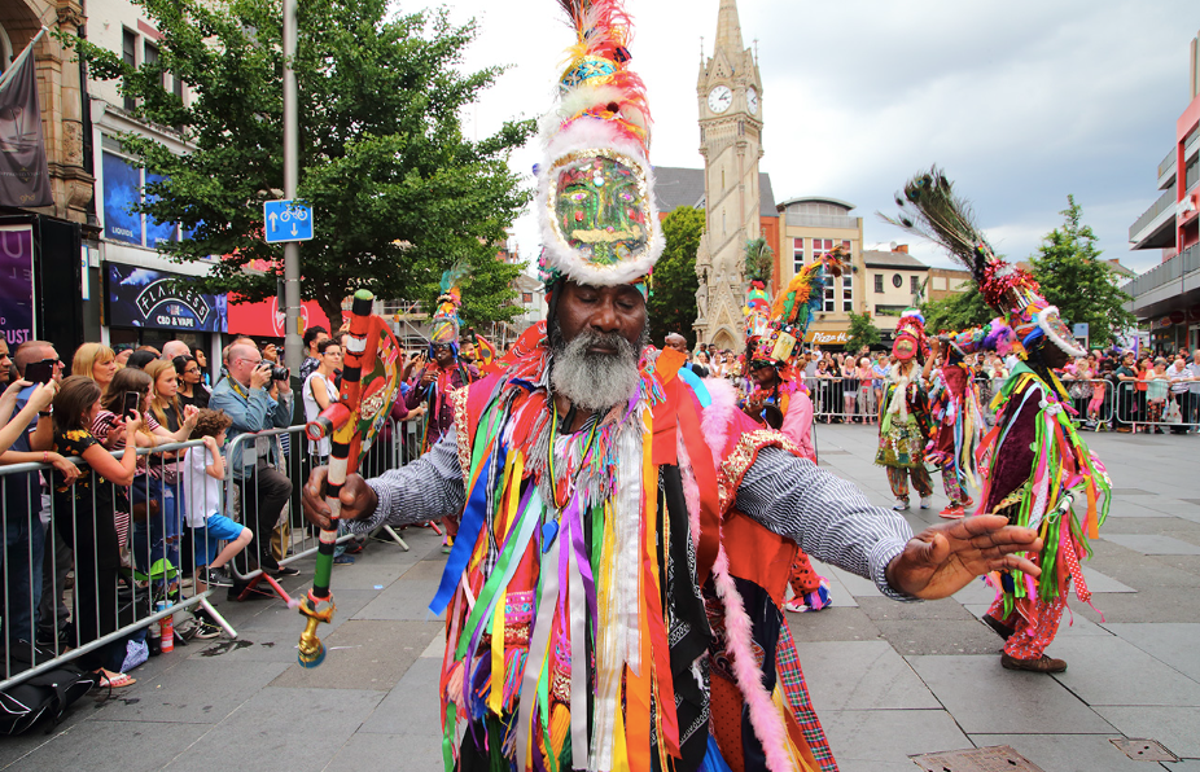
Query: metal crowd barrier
point(1134, 409)
point(155, 571)
point(843, 400)
point(292, 538)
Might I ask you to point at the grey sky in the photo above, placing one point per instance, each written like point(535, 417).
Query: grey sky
point(1021, 102)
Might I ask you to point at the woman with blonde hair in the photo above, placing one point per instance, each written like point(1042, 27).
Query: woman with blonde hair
point(96, 361)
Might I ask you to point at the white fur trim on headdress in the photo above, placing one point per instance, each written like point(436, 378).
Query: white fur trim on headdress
point(581, 135)
point(1067, 346)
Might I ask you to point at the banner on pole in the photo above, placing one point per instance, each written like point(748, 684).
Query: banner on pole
point(16, 284)
point(24, 178)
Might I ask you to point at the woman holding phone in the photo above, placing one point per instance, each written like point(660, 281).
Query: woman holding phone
point(83, 515)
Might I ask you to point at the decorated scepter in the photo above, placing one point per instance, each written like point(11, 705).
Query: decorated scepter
point(370, 381)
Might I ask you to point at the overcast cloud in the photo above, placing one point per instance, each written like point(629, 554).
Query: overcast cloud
point(1021, 102)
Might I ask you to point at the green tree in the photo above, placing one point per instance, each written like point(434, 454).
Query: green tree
point(399, 194)
point(1073, 278)
point(672, 304)
point(760, 262)
point(863, 333)
point(959, 311)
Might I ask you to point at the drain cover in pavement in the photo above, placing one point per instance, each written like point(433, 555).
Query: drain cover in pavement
point(998, 758)
point(1140, 749)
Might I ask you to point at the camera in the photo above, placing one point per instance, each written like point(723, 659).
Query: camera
point(280, 373)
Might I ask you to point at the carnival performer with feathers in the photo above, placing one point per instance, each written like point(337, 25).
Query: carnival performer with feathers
point(444, 372)
point(1038, 472)
point(905, 425)
point(957, 416)
point(613, 599)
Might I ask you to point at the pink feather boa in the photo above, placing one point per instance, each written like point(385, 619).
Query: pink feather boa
point(768, 725)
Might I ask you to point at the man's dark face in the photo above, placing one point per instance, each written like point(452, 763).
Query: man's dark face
point(605, 310)
point(1054, 357)
point(444, 355)
point(765, 376)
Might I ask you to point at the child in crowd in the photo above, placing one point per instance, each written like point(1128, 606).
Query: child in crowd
point(204, 502)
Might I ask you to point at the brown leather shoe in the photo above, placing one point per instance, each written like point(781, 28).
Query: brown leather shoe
point(1042, 664)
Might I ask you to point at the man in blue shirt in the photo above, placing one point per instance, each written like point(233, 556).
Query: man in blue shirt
point(245, 396)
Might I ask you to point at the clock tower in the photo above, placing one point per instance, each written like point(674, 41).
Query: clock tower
point(730, 95)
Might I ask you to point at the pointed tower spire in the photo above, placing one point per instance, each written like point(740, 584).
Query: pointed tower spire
point(729, 28)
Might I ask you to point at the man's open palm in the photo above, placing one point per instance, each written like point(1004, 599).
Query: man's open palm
point(943, 559)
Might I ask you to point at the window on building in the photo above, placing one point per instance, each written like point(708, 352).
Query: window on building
point(129, 42)
point(847, 293)
point(797, 255)
point(823, 247)
point(897, 281)
point(889, 310)
point(150, 57)
point(526, 297)
point(830, 303)
point(879, 282)
point(914, 284)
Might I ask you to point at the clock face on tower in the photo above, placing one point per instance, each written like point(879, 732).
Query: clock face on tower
point(752, 100)
point(719, 99)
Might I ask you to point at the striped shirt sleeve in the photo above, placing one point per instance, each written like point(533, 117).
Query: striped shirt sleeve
point(829, 518)
point(426, 489)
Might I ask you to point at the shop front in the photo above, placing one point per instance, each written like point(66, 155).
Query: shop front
point(144, 306)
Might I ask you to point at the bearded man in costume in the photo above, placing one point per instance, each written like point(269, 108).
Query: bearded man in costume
point(613, 599)
point(445, 372)
point(1037, 470)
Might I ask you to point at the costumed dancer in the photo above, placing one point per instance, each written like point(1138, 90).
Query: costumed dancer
point(780, 398)
point(444, 372)
point(1037, 470)
point(904, 421)
point(613, 599)
point(957, 417)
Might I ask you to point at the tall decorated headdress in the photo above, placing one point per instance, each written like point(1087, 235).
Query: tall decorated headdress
point(996, 336)
point(595, 194)
point(909, 338)
point(930, 208)
point(443, 326)
point(794, 309)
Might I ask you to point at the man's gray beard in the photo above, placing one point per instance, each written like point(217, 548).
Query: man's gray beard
point(594, 381)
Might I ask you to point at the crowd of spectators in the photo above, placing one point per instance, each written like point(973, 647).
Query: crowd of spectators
point(109, 520)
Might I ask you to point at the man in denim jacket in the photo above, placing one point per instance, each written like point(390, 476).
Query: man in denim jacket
point(245, 396)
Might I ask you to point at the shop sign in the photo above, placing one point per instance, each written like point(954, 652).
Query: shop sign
point(16, 284)
point(1178, 317)
point(142, 297)
point(827, 338)
point(1194, 313)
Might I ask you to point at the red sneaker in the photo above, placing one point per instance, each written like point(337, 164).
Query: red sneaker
point(952, 512)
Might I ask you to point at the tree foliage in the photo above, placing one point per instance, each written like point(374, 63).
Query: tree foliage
point(959, 311)
point(399, 193)
point(1073, 278)
point(672, 303)
point(863, 333)
point(760, 261)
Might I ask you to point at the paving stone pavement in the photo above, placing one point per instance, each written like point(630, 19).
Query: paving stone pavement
point(889, 680)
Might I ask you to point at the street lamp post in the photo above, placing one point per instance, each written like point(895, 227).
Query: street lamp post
point(293, 355)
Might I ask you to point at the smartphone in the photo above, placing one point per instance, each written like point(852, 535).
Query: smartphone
point(40, 372)
point(133, 401)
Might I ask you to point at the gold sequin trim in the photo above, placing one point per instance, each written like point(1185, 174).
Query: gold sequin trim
point(734, 468)
point(462, 430)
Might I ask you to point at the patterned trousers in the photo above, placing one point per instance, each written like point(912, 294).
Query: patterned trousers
point(953, 484)
point(1031, 636)
point(898, 479)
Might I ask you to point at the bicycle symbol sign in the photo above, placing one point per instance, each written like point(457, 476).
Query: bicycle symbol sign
point(287, 220)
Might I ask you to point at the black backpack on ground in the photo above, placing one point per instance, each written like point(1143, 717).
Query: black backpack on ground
point(45, 695)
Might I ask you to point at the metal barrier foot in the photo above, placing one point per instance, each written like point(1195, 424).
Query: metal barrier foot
point(215, 616)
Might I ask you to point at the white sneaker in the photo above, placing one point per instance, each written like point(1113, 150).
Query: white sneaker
point(901, 505)
point(926, 502)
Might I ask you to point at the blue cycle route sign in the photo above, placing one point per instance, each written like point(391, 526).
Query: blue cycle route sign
point(287, 220)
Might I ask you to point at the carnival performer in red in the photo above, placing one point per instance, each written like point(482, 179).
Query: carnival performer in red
point(613, 598)
point(957, 417)
point(1037, 470)
point(904, 421)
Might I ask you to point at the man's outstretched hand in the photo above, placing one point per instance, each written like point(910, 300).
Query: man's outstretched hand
point(358, 500)
point(943, 559)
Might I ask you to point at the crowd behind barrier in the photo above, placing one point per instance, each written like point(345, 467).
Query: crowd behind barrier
point(88, 605)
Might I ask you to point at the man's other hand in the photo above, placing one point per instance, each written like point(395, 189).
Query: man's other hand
point(357, 498)
point(943, 559)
